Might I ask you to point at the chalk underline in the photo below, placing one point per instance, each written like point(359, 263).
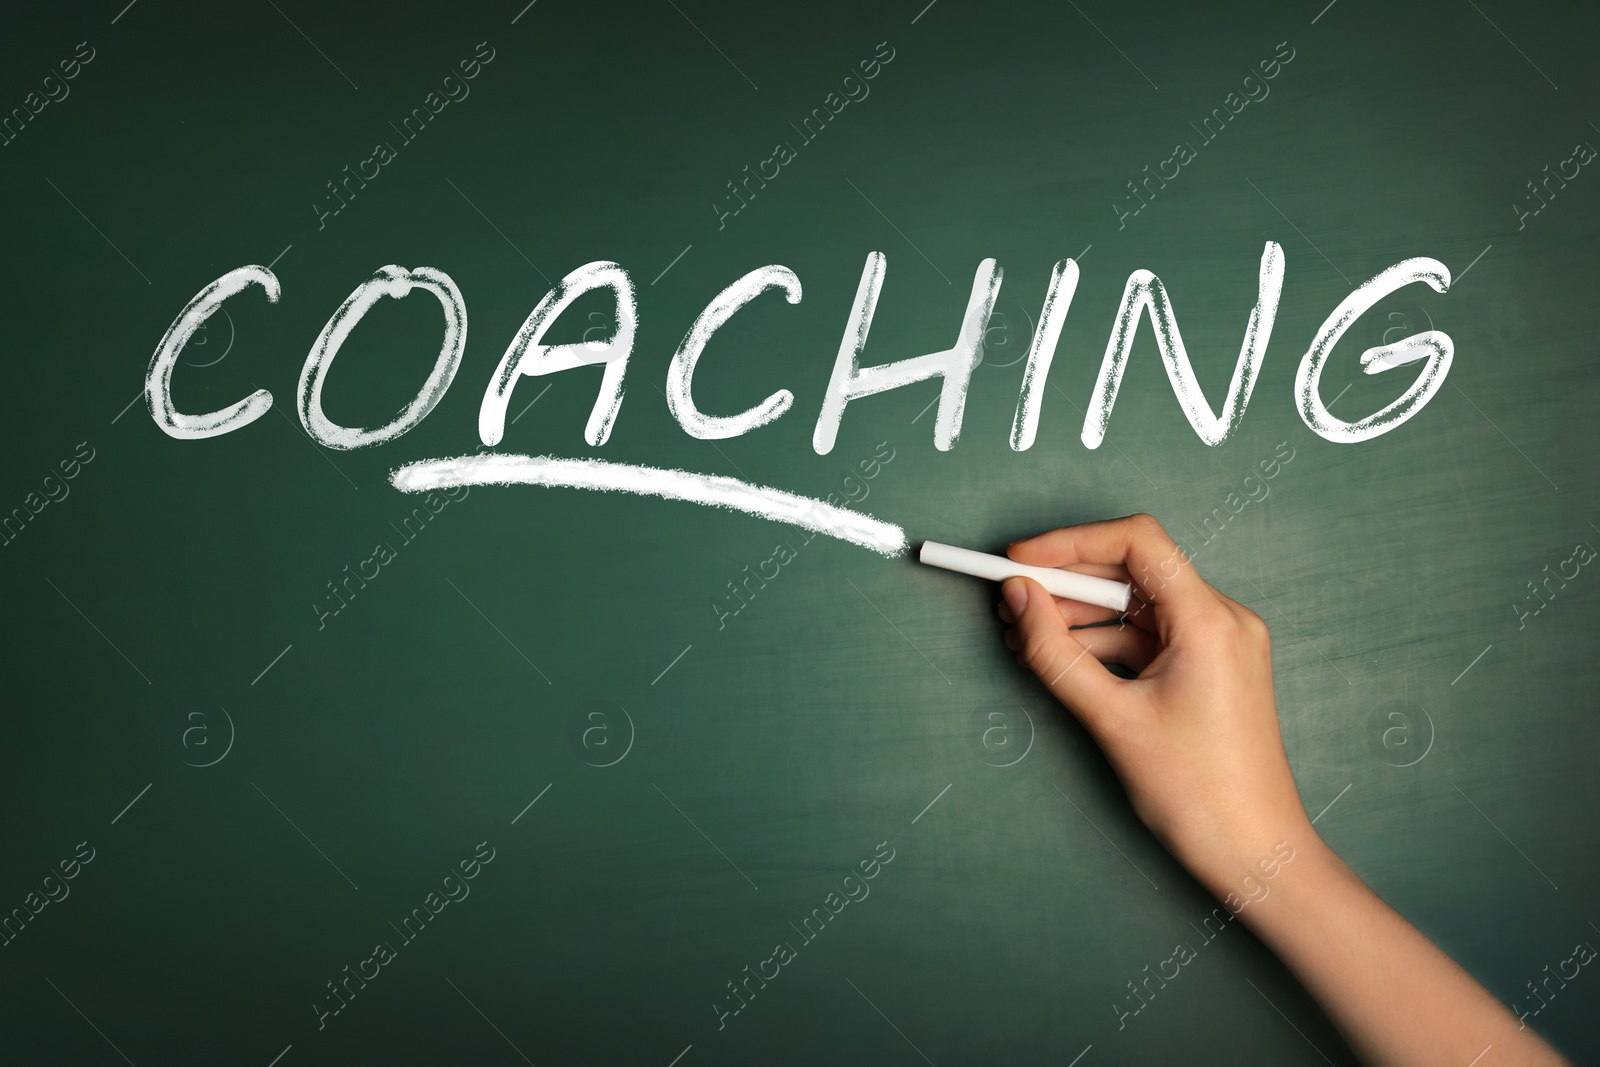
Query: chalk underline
point(713, 490)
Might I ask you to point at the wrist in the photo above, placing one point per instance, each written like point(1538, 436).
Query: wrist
point(1245, 869)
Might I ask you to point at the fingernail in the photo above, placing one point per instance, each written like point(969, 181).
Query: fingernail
point(1015, 590)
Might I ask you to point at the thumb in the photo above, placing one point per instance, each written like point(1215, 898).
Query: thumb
point(1071, 673)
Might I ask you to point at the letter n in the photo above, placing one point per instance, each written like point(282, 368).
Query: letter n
point(1145, 293)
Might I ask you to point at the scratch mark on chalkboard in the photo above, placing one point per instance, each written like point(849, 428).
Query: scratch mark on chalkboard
point(1120, 452)
point(313, 445)
point(490, 1021)
point(131, 803)
point(702, 833)
point(531, 803)
point(902, 633)
point(1102, 833)
point(713, 44)
point(1113, 44)
point(898, 230)
point(1474, 263)
point(532, 402)
point(1288, 1020)
point(1502, 833)
point(499, 231)
point(890, 1021)
point(313, 44)
point(1299, 631)
point(1324, 11)
point(1085, 1052)
point(931, 803)
point(286, 1048)
point(132, 402)
point(273, 664)
point(1513, 44)
point(1474, 663)
point(524, 11)
point(680, 1055)
point(99, 231)
point(90, 1021)
point(302, 833)
point(121, 13)
point(673, 664)
point(99, 631)
point(670, 484)
point(924, 11)
point(1298, 230)
point(674, 263)
point(1331, 803)
point(501, 632)
point(1502, 433)
point(274, 263)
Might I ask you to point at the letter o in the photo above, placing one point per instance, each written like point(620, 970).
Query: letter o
point(397, 282)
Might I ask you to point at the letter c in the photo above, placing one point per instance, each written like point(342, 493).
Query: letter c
point(720, 310)
point(158, 380)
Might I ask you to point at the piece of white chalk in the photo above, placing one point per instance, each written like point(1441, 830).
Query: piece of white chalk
point(1101, 592)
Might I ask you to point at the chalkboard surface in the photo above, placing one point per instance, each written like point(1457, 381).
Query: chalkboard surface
point(301, 768)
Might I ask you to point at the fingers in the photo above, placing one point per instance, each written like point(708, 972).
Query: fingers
point(1074, 612)
point(1161, 572)
point(1058, 658)
point(1138, 611)
point(1077, 613)
point(1127, 644)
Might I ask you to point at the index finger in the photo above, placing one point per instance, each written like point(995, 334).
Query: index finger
point(1161, 570)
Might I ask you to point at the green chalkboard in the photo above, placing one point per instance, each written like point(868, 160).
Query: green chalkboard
point(301, 768)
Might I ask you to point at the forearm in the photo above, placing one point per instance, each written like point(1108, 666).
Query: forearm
point(1195, 739)
point(1397, 998)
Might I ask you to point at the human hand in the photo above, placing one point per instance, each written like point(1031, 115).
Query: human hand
point(1195, 736)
